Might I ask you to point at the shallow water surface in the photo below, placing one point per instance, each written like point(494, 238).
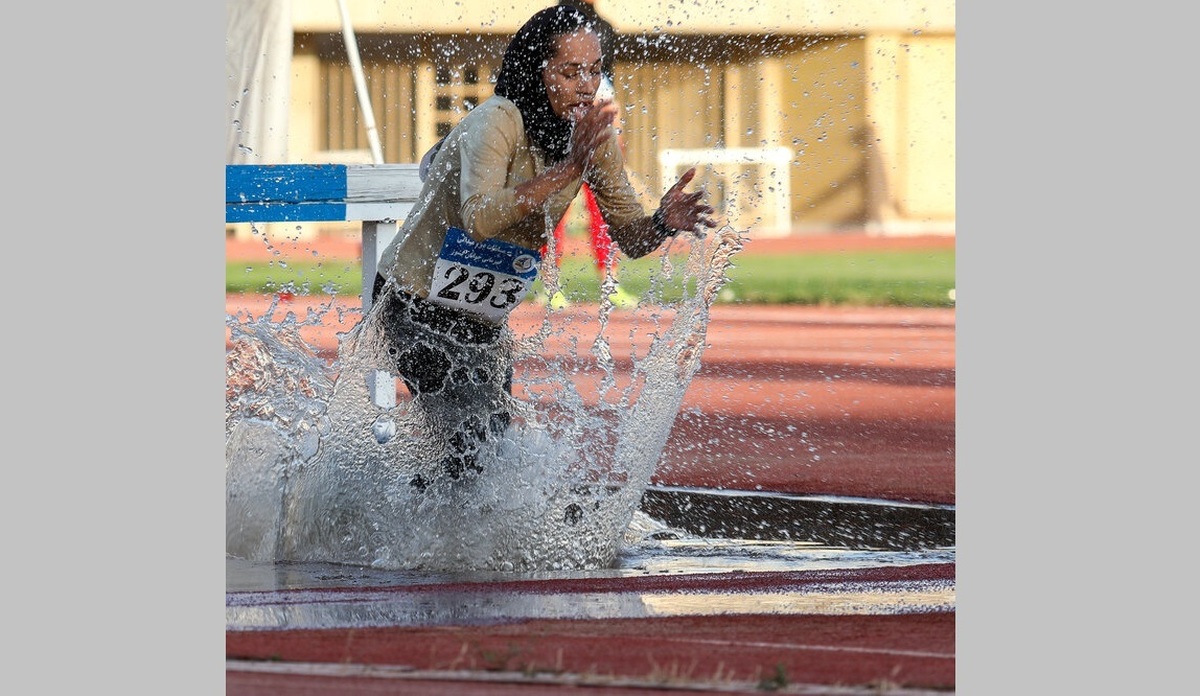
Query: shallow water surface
point(674, 576)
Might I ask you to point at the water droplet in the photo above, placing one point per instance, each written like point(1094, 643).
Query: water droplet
point(384, 429)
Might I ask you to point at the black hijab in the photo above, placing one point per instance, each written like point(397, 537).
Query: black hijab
point(604, 29)
point(520, 77)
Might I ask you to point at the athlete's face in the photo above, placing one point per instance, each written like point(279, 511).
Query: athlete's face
point(573, 72)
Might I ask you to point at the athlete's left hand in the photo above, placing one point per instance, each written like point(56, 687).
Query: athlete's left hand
point(685, 211)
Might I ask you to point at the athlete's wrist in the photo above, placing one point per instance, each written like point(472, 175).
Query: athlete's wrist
point(573, 169)
point(661, 229)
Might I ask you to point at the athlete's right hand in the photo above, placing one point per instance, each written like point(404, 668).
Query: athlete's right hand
point(592, 127)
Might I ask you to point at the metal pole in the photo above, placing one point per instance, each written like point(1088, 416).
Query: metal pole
point(360, 84)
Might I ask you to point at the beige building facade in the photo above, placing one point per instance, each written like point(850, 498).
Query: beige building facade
point(803, 117)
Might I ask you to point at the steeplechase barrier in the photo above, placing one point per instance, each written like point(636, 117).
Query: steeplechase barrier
point(378, 196)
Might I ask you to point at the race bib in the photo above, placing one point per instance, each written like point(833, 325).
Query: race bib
point(488, 278)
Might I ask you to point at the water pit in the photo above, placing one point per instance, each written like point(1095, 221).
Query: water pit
point(755, 559)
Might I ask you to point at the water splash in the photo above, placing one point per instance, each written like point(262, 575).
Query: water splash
point(317, 471)
point(276, 394)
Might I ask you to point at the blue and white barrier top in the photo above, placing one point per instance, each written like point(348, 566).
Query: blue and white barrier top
point(319, 192)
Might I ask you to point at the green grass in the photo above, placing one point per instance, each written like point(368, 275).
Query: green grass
point(901, 278)
point(341, 277)
point(875, 278)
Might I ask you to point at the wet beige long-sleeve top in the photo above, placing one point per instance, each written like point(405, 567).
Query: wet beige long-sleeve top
point(472, 185)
